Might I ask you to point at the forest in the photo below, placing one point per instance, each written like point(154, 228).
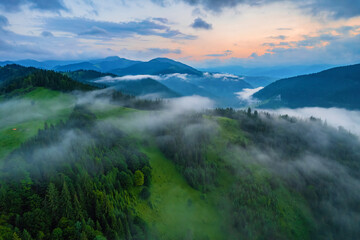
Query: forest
point(91, 174)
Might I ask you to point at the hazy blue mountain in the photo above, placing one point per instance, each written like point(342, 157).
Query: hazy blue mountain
point(336, 87)
point(49, 65)
point(143, 87)
point(259, 81)
point(157, 66)
point(147, 88)
point(114, 62)
point(221, 85)
point(218, 87)
point(101, 65)
point(86, 75)
point(273, 72)
point(185, 87)
point(77, 66)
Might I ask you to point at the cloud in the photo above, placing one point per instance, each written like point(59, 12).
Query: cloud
point(336, 9)
point(325, 48)
point(163, 51)
point(276, 44)
point(162, 20)
point(333, 8)
point(95, 31)
point(109, 79)
point(47, 34)
point(246, 95)
point(46, 5)
point(281, 37)
point(221, 75)
point(92, 28)
point(284, 29)
point(224, 54)
point(336, 117)
point(3, 21)
point(199, 23)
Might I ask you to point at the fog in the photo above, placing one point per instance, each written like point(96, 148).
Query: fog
point(336, 117)
point(246, 95)
point(16, 111)
point(112, 80)
point(336, 182)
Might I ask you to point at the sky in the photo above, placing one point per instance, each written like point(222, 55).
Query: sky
point(202, 33)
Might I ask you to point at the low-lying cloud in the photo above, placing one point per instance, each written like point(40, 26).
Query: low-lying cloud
point(246, 95)
point(110, 79)
point(336, 117)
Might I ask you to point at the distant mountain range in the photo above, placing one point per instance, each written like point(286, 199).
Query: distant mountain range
point(102, 65)
point(165, 78)
point(336, 87)
point(115, 65)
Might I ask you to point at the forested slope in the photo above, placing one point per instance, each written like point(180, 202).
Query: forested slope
point(95, 167)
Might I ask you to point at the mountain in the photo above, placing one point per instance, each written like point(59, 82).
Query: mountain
point(186, 87)
point(101, 65)
point(76, 66)
point(49, 65)
point(142, 87)
point(221, 88)
point(336, 87)
point(110, 63)
point(13, 77)
point(259, 81)
point(13, 71)
point(157, 66)
point(86, 75)
point(147, 88)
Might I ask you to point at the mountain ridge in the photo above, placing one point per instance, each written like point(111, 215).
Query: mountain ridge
point(335, 87)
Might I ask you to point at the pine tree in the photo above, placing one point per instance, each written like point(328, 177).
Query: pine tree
point(65, 201)
point(52, 200)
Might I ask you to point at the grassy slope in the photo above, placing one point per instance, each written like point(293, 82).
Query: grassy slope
point(175, 210)
point(28, 113)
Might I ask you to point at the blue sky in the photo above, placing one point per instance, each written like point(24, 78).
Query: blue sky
point(202, 33)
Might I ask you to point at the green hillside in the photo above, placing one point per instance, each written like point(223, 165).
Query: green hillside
point(28, 113)
point(103, 165)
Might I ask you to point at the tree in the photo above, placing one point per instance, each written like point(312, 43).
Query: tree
point(26, 235)
point(52, 200)
point(147, 175)
point(249, 112)
point(65, 203)
point(16, 237)
point(125, 180)
point(138, 178)
point(56, 234)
